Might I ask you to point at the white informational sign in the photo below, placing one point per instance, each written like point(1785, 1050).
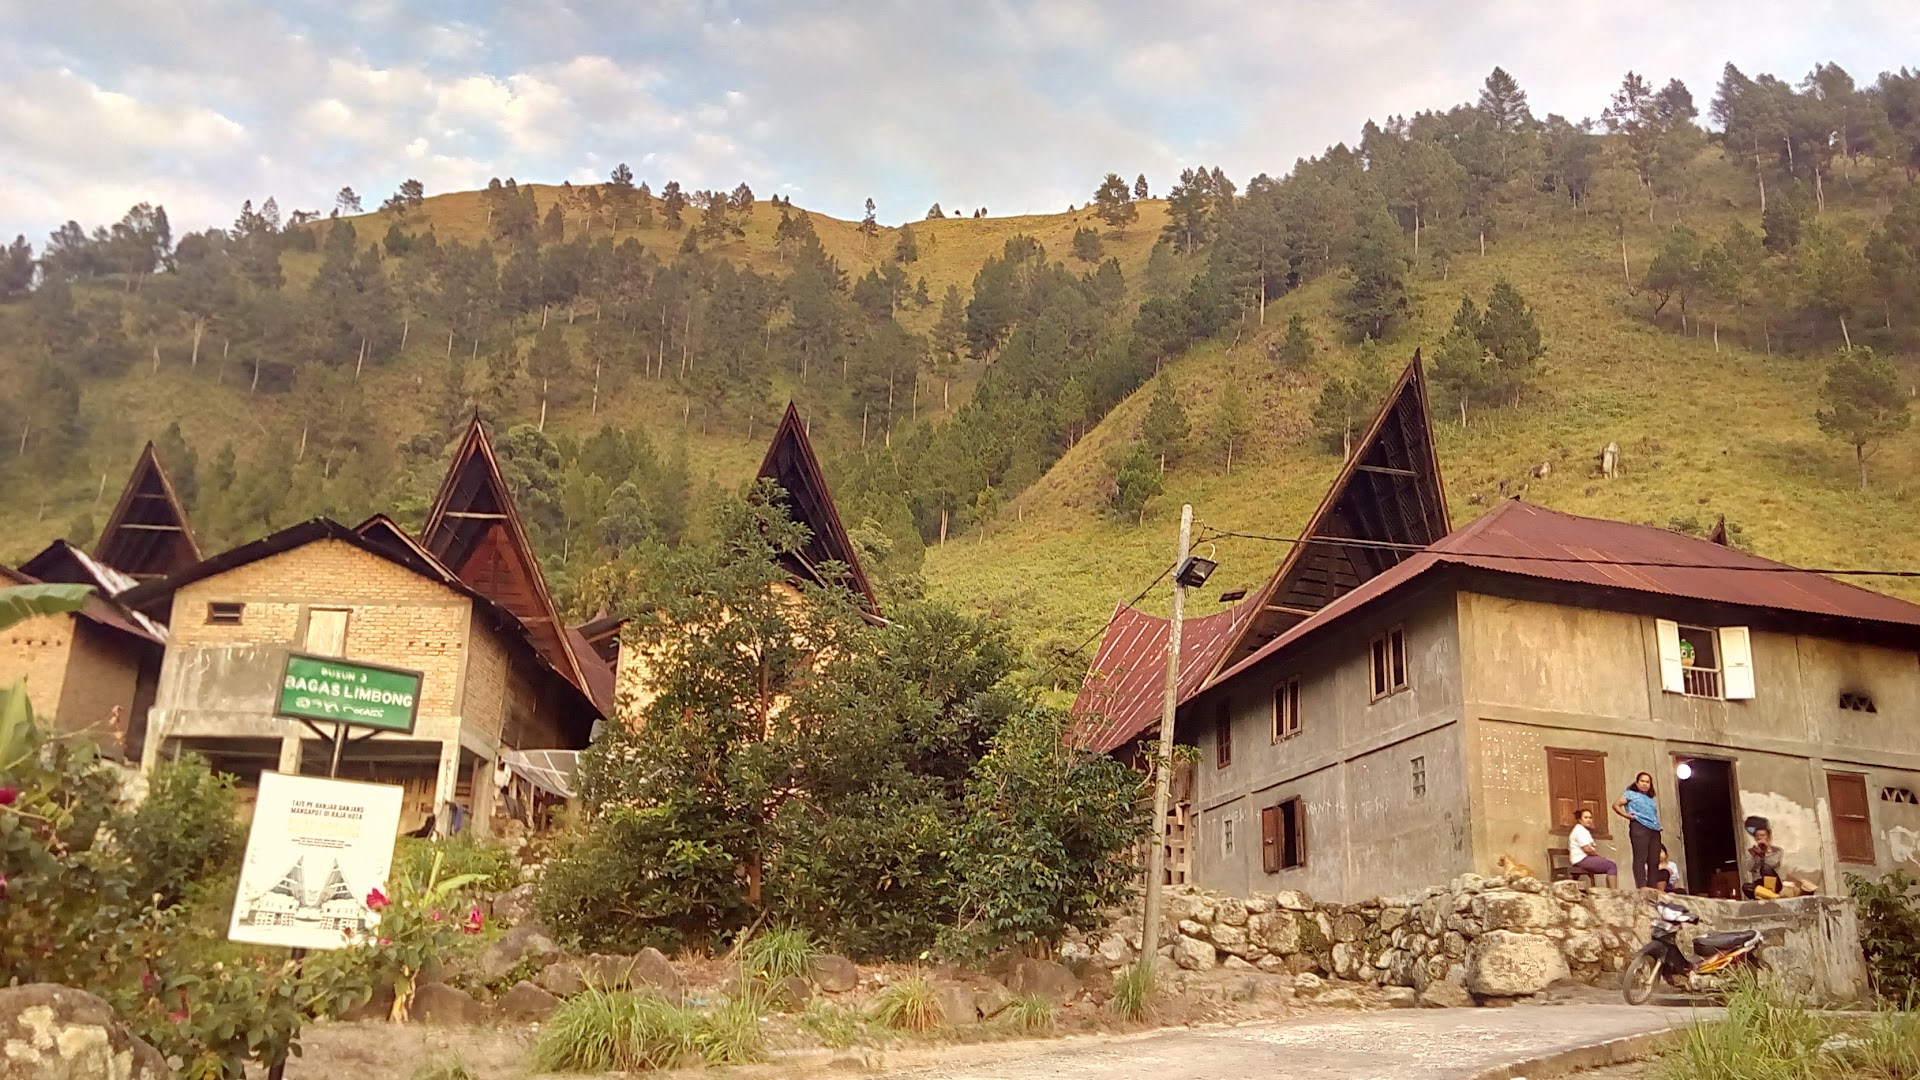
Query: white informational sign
point(317, 848)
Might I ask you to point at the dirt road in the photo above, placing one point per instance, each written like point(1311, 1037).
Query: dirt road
point(1440, 1044)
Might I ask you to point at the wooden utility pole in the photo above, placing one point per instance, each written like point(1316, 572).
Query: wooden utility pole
point(1163, 760)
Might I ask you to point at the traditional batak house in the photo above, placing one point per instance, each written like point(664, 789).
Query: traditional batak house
point(95, 671)
point(1386, 502)
point(1409, 714)
point(465, 605)
point(791, 463)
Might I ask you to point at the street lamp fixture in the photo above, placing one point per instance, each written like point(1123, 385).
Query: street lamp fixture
point(1194, 571)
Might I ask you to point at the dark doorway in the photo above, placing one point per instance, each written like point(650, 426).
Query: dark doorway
point(1707, 827)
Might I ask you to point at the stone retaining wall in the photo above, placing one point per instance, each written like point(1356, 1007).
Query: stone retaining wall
point(1473, 939)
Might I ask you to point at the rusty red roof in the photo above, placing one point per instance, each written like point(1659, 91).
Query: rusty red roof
point(1126, 686)
point(1532, 541)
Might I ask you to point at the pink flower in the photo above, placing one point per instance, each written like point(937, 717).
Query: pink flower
point(377, 899)
point(3, 886)
point(386, 941)
point(475, 921)
point(8, 795)
point(436, 916)
point(149, 983)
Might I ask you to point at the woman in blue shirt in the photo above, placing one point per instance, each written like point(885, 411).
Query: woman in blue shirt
point(1636, 804)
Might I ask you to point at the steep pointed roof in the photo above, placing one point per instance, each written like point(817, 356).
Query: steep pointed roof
point(1389, 491)
point(474, 530)
point(791, 463)
point(147, 535)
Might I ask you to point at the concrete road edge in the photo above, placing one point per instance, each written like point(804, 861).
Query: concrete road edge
point(1620, 1051)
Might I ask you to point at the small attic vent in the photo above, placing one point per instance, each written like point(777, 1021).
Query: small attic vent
point(1899, 795)
point(1857, 703)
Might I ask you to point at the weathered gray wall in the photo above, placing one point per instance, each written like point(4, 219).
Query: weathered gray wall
point(1367, 832)
point(1542, 675)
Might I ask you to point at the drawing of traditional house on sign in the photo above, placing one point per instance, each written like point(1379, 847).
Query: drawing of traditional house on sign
point(335, 906)
point(316, 851)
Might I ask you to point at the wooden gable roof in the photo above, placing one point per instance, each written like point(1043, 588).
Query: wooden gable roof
point(147, 535)
point(475, 531)
point(791, 463)
point(1388, 492)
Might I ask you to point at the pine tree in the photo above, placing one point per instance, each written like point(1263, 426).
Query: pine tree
point(1862, 402)
point(741, 201)
point(1297, 348)
point(1114, 204)
point(1140, 186)
point(949, 340)
point(16, 269)
point(1511, 337)
point(673, 203)
point(1165, 428)
point(553, 229)
point(1086, 244)
point(1136, 481)
point(869, 225)
point(1378, 298)
point(906, 249)
point(347, 202)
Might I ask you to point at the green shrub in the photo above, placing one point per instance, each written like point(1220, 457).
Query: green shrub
point(1029, 1014)
point(773, 955)
point(186, 830)
point(1133, 993)
point(834, 1025)
point(450, 1069)
point(908, 1005)
point(1890, 934)
point(598, 1031)
point(492, 866)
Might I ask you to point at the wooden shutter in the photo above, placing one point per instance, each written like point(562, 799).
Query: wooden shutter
point(1299, 833)
point(1673, 677)
point(1736, 663)
point(1222, 736)
point(1270, 839)
point(1590, 790)
point(1563, 788)
point(326, 631)
point(1852, 825)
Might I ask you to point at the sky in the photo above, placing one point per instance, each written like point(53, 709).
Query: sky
point(1017, 107)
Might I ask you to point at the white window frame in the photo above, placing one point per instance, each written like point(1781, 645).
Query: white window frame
point(1734, 645)
point(1286, 718)
point(1226, 834)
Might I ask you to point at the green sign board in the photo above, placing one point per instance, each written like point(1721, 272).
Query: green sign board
point(359, 695)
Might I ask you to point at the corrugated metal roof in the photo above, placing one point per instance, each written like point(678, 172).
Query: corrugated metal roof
point(1126, 688)
point(1525, 540)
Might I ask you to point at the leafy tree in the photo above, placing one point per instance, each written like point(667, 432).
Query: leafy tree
point(16, 269)
point(1831, 275)
point(1136, 480)
point(1086, 244)
point(1113, 203)
point(1231, 425)
point(1297, 348)
point(1782, 223)
point(906, 249)
point(1165, 428)
point(1862, 402)
point(347, 202)
point(1140, 186)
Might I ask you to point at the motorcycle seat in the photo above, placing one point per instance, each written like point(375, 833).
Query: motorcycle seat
point(1708, 945)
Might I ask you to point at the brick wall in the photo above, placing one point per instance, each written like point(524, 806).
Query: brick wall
point(37, 649)
point(396, 617)
point(485, 706)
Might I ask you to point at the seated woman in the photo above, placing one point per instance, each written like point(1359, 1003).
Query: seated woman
point(1763, 877)
point(1585, 856)
point(1669, 873)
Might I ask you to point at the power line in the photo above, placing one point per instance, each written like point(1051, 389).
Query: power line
point(1084, 642)
point(1388, 545)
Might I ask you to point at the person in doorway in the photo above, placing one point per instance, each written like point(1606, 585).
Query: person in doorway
point(1763, 877)
point(1670, 873)
point(1585, 856)
point(1637, 806)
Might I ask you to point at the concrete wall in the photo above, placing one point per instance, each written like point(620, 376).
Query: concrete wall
point(1542, 675)
point(1368, 833)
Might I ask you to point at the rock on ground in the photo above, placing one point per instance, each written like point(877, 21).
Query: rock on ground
point(514, 906)
point(956, 1003)
point(1442, 994)
point(1192, 954)
point(835, 974)
point(1503, 963)
point(438, 1003)
point(527, 943)
point(526, 1002)
point(1043, 978)
point(52, 1032)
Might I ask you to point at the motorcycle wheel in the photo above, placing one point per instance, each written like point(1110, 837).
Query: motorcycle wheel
point(1637, 983)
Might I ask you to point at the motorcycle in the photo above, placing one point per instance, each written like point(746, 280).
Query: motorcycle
point(1662, 958)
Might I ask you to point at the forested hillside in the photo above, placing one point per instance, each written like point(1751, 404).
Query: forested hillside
point(1731, 299)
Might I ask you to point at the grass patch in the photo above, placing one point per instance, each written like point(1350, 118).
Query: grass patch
point(413, 861)
point(778, 954)
point(909, 1005)
point(835, 1026)
point(1767, 1037)
point(1030, 1014)
point(1133, 992)
point(627, 1032)
point(449, 1069)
